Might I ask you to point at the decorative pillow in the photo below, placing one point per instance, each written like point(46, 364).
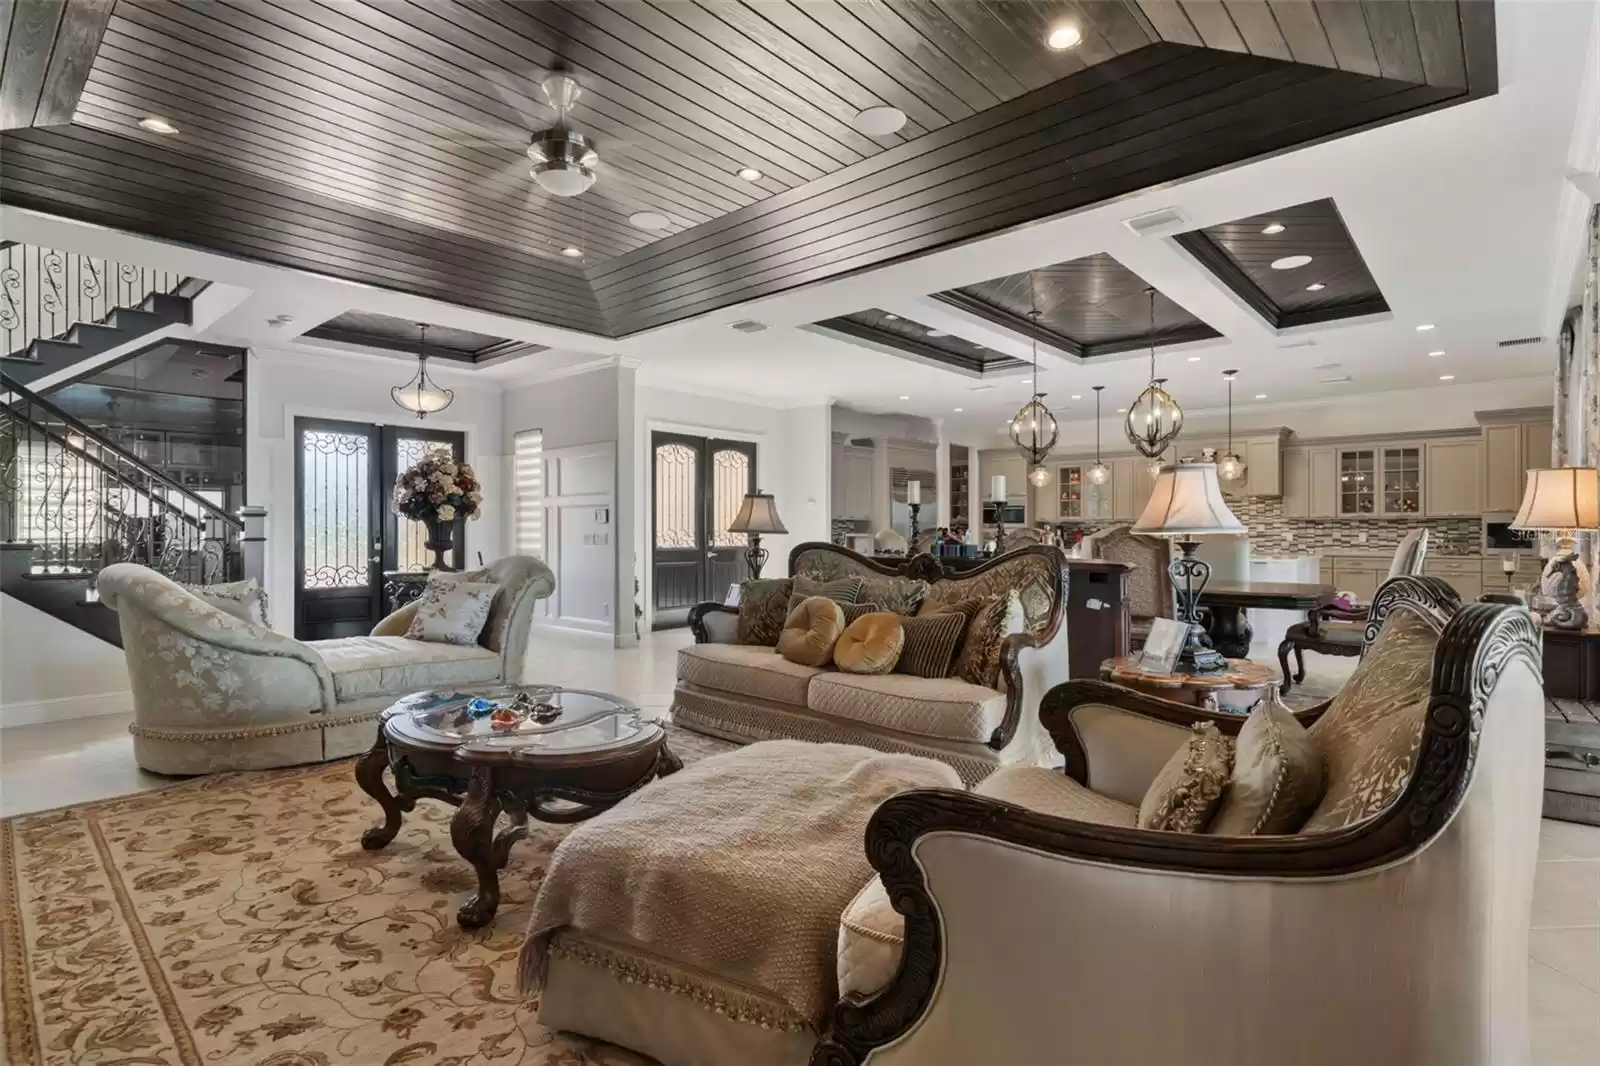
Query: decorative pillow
point(902, 595)
point(1277, 775)
point(242, 599)
point(763, 606)
point(852, 611)
point(1370, 734)
point(842, 591)
point(452, 613)
point(979, 661)
point(810, 631)
point(1186, 792)
point(929, 644)
point(871, 644)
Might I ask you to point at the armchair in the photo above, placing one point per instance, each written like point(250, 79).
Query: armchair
point(1376, 936)
point(213, 691)
point(1338, 630)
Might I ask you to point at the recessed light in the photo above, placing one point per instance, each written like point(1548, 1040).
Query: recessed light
point(1425, 327)
point(650, 220)
point(750, 174)
point(879, 121)
point(1075, 396)
point(957, 410)
point(1273, 227)
point(1315, 286)
point(157, 124)
point(1447, 377)
point(572, 251)
point(1436, 353)
point(905, 397)
point(887, 317)
point(1067, 35)
point(1122, 410)
point(937, 333)
point(1261, 396)
point(1290, 262)
point(1194, 359)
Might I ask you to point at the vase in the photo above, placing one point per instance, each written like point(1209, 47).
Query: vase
point(441, 541)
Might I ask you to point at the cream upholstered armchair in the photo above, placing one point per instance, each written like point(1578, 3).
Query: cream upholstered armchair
point(1391, 928)
point(213, 691)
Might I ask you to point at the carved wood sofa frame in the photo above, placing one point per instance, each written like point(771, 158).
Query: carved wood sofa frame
point(931, 568)
point(1477, 644)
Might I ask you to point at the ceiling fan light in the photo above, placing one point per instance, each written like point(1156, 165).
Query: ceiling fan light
point(563, 179)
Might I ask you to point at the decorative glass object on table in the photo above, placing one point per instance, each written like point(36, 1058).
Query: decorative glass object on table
point(532, 718)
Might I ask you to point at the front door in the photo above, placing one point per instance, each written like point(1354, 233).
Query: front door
point(346, 532)
point(698, 485)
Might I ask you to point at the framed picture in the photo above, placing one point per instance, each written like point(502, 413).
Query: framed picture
point(1163, 645)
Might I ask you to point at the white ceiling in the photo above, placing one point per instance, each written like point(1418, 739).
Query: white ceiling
point(1465, 217)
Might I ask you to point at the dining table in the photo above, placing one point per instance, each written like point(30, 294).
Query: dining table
point(1224, 604)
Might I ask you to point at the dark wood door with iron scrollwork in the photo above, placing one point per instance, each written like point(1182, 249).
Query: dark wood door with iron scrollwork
point(697, 486)
point(346, 532)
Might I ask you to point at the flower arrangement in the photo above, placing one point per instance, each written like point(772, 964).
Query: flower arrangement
point(438, 489)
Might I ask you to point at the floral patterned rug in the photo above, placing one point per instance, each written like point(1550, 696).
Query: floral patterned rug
point(236, 920)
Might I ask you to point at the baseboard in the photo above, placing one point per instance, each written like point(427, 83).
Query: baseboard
point(576, 629)
point(65, 707)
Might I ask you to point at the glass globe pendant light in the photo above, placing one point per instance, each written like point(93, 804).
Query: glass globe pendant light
point(421, 394)
point(1154, 418)
point(1230, 467)
point(1098, 472)
point(1033, 429)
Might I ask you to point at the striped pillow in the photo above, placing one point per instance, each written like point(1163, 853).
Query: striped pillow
point(930, 644)
point(852, 611)
point(844, 591)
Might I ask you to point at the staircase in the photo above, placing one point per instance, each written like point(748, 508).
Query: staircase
point(58, 311)
point(73, 502)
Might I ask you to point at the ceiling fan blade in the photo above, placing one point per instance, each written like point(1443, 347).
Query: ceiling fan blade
point(511, 184)
point(521, 96)
point(464, 141)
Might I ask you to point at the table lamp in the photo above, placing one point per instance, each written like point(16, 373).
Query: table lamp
point(757, 515)
point(1186, 502)
point(1562, 501)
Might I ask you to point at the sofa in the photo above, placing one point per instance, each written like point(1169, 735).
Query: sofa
point(747, 693)
point(215, 691)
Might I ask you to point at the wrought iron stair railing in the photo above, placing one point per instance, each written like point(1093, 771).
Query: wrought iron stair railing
point(84, 503)
point(45, 293)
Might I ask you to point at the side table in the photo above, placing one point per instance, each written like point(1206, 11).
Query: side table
point(1235, 690)
point(401, 587)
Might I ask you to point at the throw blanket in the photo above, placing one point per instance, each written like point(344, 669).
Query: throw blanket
point(739, 866)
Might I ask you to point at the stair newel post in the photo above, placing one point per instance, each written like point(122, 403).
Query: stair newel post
point(253, 542)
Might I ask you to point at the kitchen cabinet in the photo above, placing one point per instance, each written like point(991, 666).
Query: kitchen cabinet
point(1263, 466)
point(1323, 468)
point(852, 491)
point(1143, 486)
point(1125, 502)
point(1452, 479)
point(1463, 573)
point(1072, 492)
point(1379, 480)
point(1510, 450)
point(1296, 475)
point(1535, 449)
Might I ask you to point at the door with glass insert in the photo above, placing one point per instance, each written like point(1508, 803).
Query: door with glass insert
point(697, 487)
point(338, 543)
point(405, 540)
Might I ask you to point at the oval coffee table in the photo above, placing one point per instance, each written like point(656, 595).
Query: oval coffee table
point(1235, 690)
point(561, 755)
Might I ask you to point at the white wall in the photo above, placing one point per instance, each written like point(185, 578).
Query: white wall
point(50, 670)
point(284, 385)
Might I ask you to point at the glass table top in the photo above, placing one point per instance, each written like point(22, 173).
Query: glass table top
point(532, 719)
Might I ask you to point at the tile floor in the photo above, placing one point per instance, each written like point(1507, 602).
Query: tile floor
point(91, 758)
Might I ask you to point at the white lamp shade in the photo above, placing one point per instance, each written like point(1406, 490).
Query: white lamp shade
point(1567, 498)
point(1186, 500)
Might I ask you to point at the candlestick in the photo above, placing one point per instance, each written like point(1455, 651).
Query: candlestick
point(914, 492)
point(997, 488)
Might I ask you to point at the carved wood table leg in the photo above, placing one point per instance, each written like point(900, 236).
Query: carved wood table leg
point(472, 833)
point(369, 775)
point(1283, 660)
point(667, 762)
point(517, 813)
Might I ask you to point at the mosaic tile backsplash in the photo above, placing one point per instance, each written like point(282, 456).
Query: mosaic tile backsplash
point(1265, 519)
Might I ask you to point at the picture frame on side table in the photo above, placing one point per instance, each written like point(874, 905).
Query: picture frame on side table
point(1163, 645)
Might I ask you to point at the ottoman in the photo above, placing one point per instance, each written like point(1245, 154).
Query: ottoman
point(697, 921)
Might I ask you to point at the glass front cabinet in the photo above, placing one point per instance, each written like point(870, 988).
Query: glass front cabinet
point(1069, 492)
point(1380, 480)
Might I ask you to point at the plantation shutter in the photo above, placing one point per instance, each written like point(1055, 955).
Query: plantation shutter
point(528, 461)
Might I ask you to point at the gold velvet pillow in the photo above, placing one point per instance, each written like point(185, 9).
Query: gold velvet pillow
point(871, 644)
point(1188, 789)
point(1277, 776)
point(810, 631)
point(763, 607)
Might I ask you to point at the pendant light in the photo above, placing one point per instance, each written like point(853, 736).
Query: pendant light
point(1034, 430)
point(421, 394)
point(1098, 473)
point(1154, 418)
point(1230, 467)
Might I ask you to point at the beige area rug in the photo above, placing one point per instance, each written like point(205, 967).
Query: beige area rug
point(236, 920)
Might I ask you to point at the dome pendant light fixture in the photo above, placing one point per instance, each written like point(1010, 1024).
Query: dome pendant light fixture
point(1033, 429)
point(421, 394)
point(1154, 419)
point(1230, 467)
point(1098, 473)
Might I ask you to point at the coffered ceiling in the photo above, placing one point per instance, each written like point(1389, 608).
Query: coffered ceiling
point(908, 337)
point(381, 142)
point(369, 330)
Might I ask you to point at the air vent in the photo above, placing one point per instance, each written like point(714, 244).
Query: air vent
point(749, 325)
point(1518, 342)
point(1345, 380)
point(1327, 366)
point(1157, 223)
point(982, 388)
point(1308, 343)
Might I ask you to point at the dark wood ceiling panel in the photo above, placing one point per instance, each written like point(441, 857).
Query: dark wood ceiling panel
point(1303, 31)
point(915, 339)
point(1394, 39)
point(1241, 254)
point(1089, 306)
point(83, 23)
point(1215, 26)
point(1259, 29)
point(46, 49)
point(402, 335)
point(1346, 26)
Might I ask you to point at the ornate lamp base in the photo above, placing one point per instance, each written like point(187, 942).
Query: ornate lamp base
point(755, 556)
point(915, 529)
point(1197, 656)
point(1562, 589)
